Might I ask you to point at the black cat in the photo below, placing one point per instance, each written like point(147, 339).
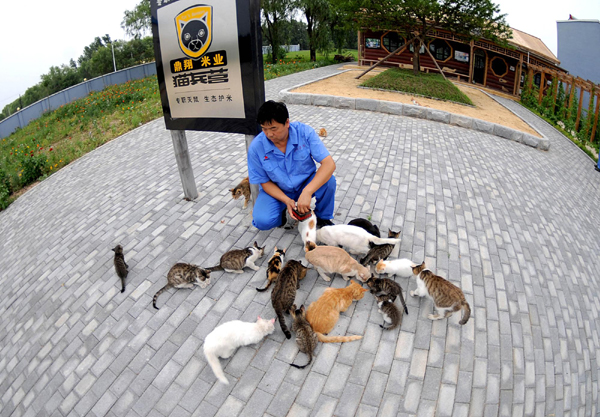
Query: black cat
point(194, 34)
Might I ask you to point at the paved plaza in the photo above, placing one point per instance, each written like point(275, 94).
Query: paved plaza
point(517, 228)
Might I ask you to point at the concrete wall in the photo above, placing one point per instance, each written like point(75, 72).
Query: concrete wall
point(34, 111)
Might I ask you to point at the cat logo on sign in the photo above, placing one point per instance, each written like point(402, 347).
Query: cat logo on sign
point(194, 30)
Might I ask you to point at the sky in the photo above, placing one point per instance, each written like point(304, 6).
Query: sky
point(38, 34)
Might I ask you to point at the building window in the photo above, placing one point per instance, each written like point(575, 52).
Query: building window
point(392, 41)
point(440, 49)
point(499, 66)
point(421, 49)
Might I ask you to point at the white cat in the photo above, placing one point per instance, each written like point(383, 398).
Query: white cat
point(355, 239)
point(223, 341)
point(401, 267)
point(308, 229)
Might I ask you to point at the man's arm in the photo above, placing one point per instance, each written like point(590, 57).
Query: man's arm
point(322, 175)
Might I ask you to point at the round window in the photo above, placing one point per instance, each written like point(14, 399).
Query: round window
point(392, 41)
point(499, 66)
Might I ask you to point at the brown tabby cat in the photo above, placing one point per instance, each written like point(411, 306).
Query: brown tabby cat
point(274, 267)
point(182, 275)
point(322, 132)
point(284, 291)
point(378, 252)
point(120, 266)
point(386, 286)
point(447, 297)
point(306, 338)
point(391, 313)
point(324, 313)
point(242, 189)
point(236, 259)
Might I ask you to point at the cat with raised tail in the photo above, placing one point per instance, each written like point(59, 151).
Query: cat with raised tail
point(334, 260)
point(386, 286)
point(284, 291)
point(223, 341)
point(121, 267)
point(401, 267)
point(391, 313)
point(447, 297)
point(324, 313)
point(367, 225)
point(308, 228)
point(182, 275)
point(274, 267)
point(236, 259)
point(353, 238)
point(378, 252)
point(306, 338)
point(242, 189)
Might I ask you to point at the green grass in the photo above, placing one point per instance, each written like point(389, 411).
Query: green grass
point(300, 61)
point(426, 85)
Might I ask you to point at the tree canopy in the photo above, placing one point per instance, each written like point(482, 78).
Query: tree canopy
point(137, 22)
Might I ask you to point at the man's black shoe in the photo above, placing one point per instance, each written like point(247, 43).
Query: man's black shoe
point(597, 169)
point(283, 218)
point(323, 222)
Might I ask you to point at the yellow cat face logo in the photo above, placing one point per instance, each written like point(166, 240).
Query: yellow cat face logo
point(194, 30)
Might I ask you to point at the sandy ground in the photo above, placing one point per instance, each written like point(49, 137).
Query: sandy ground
point(345, 85)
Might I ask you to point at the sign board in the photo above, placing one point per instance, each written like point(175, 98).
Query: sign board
point(461, 56)
point(209, 63)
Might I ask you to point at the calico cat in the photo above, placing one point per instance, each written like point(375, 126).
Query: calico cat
point(284, 291)
point(401, 267)
point(242, 189)
point(355, 239)
point(367, 225)
point(378, 252)
point(334, 260)
point(182, 275)
point(308, 229)
point(324, 313)
point(447, 297)
point(236, 259)
point(389, 310)
point(306, 338)
point(121, 267)
point(223, 341)
point(379, 286)
point(274, 267)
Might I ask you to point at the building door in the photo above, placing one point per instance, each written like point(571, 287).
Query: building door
point(479, 67)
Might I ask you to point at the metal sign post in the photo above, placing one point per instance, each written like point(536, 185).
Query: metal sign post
point(209, 69)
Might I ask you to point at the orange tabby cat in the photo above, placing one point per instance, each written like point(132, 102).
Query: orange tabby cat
point(324, 313)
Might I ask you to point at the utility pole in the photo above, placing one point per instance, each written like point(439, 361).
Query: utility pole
point(113, 54)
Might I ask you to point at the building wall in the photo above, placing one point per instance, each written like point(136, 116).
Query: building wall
point(578, 41)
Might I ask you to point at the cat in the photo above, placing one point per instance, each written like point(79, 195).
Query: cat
point(334, 260)
point(401, 267)
point(284, 291)
point(274, 267)
point(120, 266)
point(308, 229)
point(447, 297)
point(389, 310)
point(367, 225)
point(355, 239)
point(223, 341)
point(378, 252)
point(306, 338)
point(236, 259)
point(194, 33)
point(322, 132)
point(182, 275)
point(386, 286)
point(242, 189)
point(324, 313)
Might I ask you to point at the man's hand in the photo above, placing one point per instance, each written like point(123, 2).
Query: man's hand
point(303, 203)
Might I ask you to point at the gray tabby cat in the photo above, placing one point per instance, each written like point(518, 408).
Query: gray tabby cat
point(378, 252)
point(306, 338)
point(120, 266)
point(391, 313)
point(236, 259)
point(183, 275)
point(387, 286)
point(284, 291)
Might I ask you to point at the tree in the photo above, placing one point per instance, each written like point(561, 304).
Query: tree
point(274, 13)
point(317, 13)
point(137, 22)
point(472, 19)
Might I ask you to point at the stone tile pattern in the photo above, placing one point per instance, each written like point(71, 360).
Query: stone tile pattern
point(514, 226)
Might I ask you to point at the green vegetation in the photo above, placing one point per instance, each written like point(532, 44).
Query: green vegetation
point(427, 85)
point(300, 61)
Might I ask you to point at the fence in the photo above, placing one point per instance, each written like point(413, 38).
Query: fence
point(288, 48)
point(571, 84)
point(34, 111)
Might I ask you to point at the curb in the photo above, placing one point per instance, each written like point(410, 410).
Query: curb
point(409, 110)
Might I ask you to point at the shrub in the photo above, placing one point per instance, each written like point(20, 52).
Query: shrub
point(32, 167)
point(5, 190)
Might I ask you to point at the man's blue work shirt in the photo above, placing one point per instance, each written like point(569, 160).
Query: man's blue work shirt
point(290, 171)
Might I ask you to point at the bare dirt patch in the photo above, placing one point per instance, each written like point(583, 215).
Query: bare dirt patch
point(345, 85)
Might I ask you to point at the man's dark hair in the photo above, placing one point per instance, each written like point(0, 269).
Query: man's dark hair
point(272, 110)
